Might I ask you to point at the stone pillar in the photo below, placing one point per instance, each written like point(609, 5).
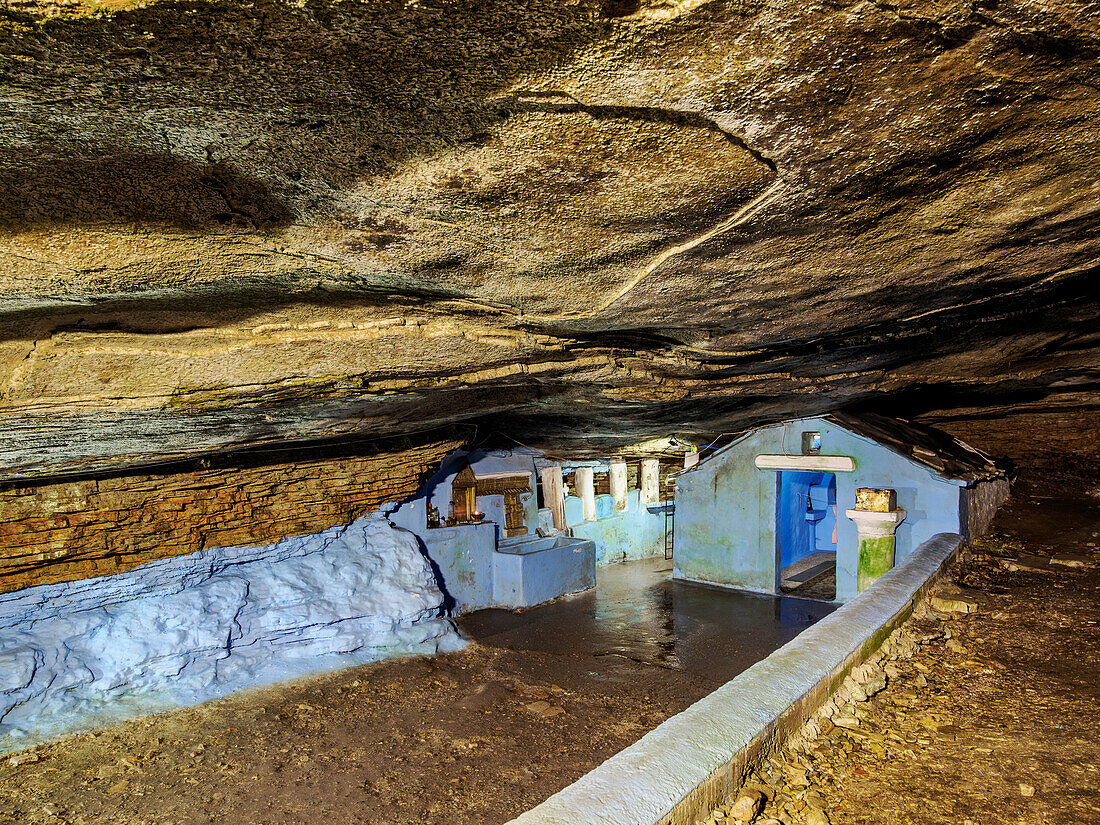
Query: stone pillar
point(617, 478)
point(587, 492)
point(649, 481)
point(877, 518)
point(691, 459)
point(553, 494)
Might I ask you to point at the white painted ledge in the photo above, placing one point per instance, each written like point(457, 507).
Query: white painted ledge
point(889, 518)
point(827, 463)
point(688, 763)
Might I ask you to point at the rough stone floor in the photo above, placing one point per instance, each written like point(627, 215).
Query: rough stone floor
point(979, 717)
point(473, 737)
point(813, 577)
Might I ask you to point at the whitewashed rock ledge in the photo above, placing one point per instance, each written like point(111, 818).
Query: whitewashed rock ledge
point(184, 630)
point(686, 765)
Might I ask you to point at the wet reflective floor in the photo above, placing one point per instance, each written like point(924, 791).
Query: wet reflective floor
point(637, 612)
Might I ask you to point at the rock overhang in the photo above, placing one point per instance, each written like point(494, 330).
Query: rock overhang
point(231, 224)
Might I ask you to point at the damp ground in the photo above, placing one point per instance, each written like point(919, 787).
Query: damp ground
point(638, 613)
point(540, 697)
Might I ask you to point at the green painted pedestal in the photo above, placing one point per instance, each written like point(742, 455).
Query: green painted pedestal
point(876, 543)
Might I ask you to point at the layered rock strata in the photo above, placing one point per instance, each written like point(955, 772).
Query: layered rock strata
point(224, 224)
point(69, 530)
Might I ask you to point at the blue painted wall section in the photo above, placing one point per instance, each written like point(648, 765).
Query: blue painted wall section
point(804, 530)
point(635, 534)
point(726, 508)
point(462, 555)
point(531, 572)
point(477, 567)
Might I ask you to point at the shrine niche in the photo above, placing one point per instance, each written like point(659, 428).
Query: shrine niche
point(464, 496)
point(467, 487)
point(513, 488)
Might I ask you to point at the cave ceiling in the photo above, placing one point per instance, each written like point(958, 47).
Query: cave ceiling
point(579, 224)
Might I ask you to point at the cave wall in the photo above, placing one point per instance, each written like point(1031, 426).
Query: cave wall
point(980, 503)
point(1060, 438)
point(74, 529)
point(225, 223)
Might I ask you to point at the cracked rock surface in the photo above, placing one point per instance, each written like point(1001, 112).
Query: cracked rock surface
point(228, 223)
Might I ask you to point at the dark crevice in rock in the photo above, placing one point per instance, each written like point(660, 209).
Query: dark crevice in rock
point(202, 306)
point(562, 102)
point(950, 328)
point(949, 400)
point(260, 455)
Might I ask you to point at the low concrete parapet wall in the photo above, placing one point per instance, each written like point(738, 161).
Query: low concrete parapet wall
point(692, 761)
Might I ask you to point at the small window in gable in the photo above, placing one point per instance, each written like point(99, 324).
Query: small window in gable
point(811, 443)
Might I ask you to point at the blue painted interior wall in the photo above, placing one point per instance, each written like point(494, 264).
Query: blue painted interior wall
point(726, 507)
point(635, 534)
point(466, 556)
point(462, 555)
point(804, 531)
point(531, 572)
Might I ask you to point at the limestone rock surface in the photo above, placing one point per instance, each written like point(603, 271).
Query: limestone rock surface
point(229, 223)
